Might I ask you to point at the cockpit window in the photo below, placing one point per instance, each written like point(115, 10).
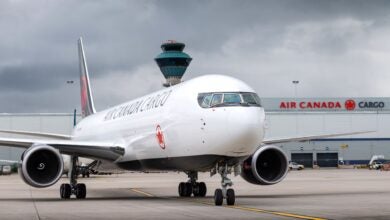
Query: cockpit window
point(231, 98)
point(206, 100)
point(217, 99)
point(249, 98)
point(211, 100)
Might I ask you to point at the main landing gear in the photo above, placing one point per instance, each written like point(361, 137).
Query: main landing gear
point(186, 189)
point(74, 188)
point(228, 194)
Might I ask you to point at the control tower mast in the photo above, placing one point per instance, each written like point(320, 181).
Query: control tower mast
point(173, 62)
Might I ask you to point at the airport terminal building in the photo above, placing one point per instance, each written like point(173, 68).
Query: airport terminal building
point(307, 116)
point(285, 117)
point(43, 122)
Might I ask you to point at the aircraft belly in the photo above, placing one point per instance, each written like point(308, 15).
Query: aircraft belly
point(186, 163)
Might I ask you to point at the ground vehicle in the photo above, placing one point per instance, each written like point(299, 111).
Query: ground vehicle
point(376, 165)
point(295, 166)
point(5, 170)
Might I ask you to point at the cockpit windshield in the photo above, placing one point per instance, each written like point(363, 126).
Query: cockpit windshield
point(218, 99)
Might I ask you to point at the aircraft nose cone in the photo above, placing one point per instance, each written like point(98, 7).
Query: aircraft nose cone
point(246, 129)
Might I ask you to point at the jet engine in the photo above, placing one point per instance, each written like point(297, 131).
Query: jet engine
point(267, 166)
point(41, 166)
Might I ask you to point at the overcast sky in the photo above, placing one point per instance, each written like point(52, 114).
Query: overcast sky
point(334, 48)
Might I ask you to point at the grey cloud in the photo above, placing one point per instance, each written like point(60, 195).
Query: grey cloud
point(35, 78)
point(334, 48)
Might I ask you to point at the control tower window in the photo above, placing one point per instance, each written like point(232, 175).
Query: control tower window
point(174, 62)
point(211, 100)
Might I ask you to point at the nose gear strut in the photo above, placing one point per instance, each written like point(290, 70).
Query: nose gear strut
point(226, 193)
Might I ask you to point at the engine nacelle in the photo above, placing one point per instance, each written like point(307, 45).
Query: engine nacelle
point(41, 166)
point(267, 166)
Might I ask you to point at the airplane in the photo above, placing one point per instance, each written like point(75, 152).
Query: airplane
point(212, 123)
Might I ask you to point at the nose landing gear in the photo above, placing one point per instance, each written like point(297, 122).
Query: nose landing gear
point(198, 189)
point(226, 193)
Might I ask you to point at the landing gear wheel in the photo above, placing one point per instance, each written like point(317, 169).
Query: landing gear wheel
point(198, 189)
point(218, 197)
point(220, 194)
point(230, 197)
point(188, 189)
point(81, 191)
point(195, 190)
point(202, 189)
point(181, 189)
point(65, 191)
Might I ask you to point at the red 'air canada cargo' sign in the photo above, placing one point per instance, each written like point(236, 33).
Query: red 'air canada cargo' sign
point(310, 105)
point(329, 105)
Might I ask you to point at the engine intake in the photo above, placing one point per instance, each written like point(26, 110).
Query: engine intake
point(41, 166)
point(267, 166)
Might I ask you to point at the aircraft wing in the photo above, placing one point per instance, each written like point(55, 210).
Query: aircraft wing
point(38, 134)
point(90, 149)
point(309, 137)
point(9, 161)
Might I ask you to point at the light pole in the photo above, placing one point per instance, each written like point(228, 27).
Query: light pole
point(295, 83)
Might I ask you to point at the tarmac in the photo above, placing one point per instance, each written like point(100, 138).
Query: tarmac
point(307, 194)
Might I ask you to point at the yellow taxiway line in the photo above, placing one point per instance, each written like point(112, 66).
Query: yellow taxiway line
point(284, 214)
point(142, 192)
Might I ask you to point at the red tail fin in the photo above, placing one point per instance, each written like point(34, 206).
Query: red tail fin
point(87, 106)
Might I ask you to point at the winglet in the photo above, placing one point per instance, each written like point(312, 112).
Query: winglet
point(87, 106)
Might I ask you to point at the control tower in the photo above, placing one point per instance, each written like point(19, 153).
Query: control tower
point(173, 62)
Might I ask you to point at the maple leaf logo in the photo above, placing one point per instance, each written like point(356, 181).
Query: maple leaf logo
point(350, 105)
point(160, 137)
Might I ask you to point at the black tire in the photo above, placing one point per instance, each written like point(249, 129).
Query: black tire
point(62, 191)
point(65, 191)
point(87, 174)
point(181, 189)
point(195, 190)
point(218, 197)
point(230, 197)
point(188, 190)
point(202, 189)
point(81, 191)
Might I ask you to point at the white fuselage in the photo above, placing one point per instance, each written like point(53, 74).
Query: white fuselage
point(170, 124)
